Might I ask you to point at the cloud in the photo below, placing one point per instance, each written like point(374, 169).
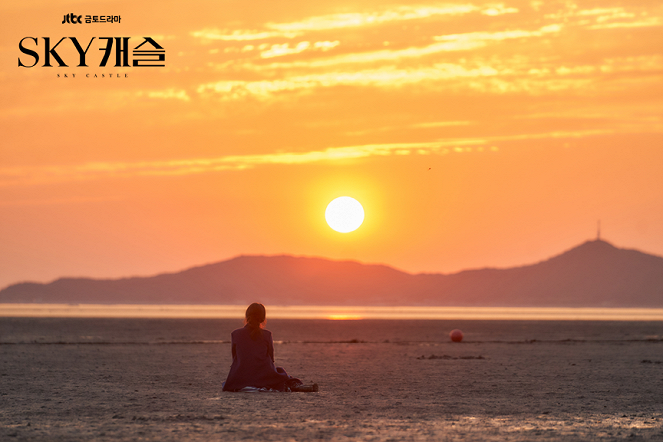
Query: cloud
point(177, 94)
point(285, 49)
point(383, 77)
point(357, 19)
point(240, 34)
point(350, 20)
point(481, 38)
point(648, 22)
point(606, 18)
point(439, 124)
point(369, 57)
point(44, 174)
point(496, 75)
point(11, 176)
point(444, 43)
point(279, 50)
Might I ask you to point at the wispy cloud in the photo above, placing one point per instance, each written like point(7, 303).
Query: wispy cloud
point(443, 43)
point(606, 18)
point(648, 22)
point(104, 170)
point(495, 75)
point(401, 13)
point(268, 74)
point(350, 20)
point(482, 38)
point(383, 55)
point(435, 124)
point(279, 50)
point(240, 34)
point(382, 77)
point(168, 94)
point(47, 174)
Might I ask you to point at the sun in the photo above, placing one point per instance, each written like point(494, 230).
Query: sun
point(344, 214)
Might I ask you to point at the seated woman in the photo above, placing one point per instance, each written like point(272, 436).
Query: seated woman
point(253, 358)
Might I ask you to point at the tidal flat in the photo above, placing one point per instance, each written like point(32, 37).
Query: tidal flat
point(69, 379)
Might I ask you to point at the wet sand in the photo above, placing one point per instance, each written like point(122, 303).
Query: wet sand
point(113, 379)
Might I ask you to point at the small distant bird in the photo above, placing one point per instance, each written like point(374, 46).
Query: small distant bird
point(429, 168)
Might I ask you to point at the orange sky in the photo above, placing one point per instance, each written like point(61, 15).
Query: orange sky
point(474, 134)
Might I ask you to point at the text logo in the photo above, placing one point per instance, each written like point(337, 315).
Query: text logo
point(147, 54)
point(72, 18)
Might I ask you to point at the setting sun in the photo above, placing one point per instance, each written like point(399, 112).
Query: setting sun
point(344, 214)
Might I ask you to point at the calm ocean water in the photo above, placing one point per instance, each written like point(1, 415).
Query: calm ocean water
point(329, 312)
point(423, 326)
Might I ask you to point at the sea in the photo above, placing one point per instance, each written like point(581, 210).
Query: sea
point(330, 312)
point(80, 324)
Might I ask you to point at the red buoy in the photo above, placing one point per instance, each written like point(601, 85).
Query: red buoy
point(456, 335)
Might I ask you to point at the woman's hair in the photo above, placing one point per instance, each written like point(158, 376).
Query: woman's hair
point(255, 319)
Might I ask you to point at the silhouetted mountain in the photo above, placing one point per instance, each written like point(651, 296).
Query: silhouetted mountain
point(594, 274)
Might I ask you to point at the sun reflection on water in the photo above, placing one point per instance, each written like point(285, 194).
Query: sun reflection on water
point(330, 312)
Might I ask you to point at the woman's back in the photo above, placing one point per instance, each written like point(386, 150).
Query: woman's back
point(253, 362)
point(253, 358)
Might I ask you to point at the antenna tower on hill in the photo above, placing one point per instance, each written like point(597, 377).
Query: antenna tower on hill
point(598, 231)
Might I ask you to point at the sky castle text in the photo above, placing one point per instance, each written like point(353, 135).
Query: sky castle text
point(148, 53)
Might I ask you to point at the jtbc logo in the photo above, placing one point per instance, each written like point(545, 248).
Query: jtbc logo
point(72, 18)
point(142, 57)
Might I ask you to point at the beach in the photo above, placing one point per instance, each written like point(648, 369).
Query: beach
point(70, 379)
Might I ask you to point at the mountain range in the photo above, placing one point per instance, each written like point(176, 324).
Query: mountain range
point(593, 274)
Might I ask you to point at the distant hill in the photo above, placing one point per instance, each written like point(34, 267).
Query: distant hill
point(593, 274)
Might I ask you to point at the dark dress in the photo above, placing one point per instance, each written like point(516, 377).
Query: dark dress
point(253, 363)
